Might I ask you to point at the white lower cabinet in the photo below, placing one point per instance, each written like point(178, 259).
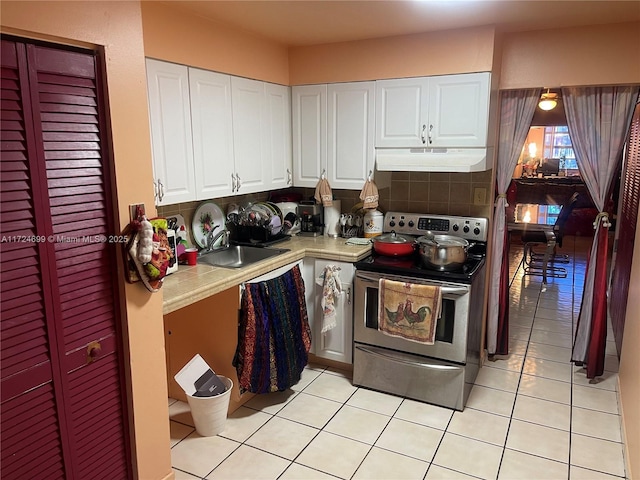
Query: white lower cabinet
point(308, 276)
point(337, 343)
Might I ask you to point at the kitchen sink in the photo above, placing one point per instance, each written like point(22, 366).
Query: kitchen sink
point(237, 256)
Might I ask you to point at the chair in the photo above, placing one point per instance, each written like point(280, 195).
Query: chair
point(538, 263)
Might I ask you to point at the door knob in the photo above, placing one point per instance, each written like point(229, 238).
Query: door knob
point(93, 351)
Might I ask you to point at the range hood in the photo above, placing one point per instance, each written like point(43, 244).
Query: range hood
point(431, 159)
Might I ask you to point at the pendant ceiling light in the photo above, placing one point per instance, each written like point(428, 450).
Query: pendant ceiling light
point(548, 101)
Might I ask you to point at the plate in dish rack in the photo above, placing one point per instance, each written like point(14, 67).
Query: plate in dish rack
point(207, 217)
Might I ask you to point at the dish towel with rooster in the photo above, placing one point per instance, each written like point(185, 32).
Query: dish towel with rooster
point(409, 310)
point(331, 289)
point(274, 337)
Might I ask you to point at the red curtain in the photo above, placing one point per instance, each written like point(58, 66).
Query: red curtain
point(596, 351)
point(502, 340)
point(598, 119)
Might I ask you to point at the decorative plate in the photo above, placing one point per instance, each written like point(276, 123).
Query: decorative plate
point(207, 217)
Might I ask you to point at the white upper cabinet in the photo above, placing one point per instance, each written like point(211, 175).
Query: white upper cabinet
point(170, 121)
point(441, 111)
point(215, 135)
point(333, 132)
point(278, 133)
point(249, 127)
point(459, 110)
point(212, 133)
point(350, 133)
point(309, 118)
point(402, 112)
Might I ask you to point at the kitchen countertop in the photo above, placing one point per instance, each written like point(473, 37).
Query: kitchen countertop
point(191, 284)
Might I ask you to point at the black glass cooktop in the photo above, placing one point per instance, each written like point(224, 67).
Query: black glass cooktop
point(412, 266)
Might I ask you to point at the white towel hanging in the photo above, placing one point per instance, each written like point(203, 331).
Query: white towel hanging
point(331, 289)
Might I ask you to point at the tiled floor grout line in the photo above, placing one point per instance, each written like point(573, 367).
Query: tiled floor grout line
point(319, 430)
point(391, 417)
point(570, 363)
point(571, 391)
point(543, 289)
point(515, 399)
point(272, 416)
point(435, 452)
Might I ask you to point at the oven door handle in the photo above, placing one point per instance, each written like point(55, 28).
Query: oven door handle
point(374, 280)
point(396, 359)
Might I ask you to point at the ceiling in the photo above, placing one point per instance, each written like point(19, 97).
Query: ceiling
point(312, 22)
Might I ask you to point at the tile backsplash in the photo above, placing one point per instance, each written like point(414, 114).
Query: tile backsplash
point(413, 192)
point(441, 193)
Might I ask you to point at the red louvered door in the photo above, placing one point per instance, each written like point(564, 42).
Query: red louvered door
point(62, 401)
point(29, 408)
point(630, 201)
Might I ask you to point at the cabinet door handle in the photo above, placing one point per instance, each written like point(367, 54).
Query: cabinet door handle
point(233, 182)
point(348, 292)
point(422, 135)
point(160, 190)
point(430, 134)
point(289, 177)
point(238, 183)
point(155, 191)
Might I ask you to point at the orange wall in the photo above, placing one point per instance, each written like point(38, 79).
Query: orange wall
point(175, 36)
point(118, 27)
point(595, 55)
point(436, 53)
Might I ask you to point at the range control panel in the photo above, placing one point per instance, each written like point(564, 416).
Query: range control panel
point(470, 228)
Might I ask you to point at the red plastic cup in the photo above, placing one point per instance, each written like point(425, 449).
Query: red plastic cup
point(191, 256)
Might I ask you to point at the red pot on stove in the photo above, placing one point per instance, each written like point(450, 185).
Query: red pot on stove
point(393, 244)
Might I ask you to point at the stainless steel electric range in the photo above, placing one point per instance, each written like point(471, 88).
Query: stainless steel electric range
point(441, 373)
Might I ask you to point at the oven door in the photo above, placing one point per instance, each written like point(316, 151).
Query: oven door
point(451, 331)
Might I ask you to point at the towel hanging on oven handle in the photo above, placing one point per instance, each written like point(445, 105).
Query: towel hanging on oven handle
point(450, 290)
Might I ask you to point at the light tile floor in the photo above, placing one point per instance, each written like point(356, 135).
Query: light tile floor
point(531, 414)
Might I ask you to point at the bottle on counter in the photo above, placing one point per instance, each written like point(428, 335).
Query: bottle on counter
point(373, 223)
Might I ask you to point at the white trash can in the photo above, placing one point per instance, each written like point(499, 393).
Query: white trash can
point(210, 413)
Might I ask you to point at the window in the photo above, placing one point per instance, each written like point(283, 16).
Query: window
point(547, 142)
point(557, 144)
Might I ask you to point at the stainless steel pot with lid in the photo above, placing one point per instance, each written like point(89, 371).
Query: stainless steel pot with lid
point(442, 252)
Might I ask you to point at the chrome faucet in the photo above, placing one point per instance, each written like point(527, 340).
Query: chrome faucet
point(212, 239)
